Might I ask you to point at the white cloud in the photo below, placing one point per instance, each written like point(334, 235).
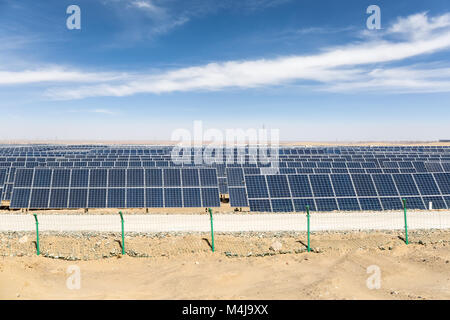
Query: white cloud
point(357, 66)
point(55, 74)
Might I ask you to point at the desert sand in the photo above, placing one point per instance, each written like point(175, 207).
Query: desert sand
point(278, 267)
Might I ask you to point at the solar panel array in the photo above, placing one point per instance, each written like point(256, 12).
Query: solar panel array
point(325, 178)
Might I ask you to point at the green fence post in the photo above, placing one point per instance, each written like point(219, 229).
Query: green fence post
point(123, 233)
point(307, 218)
point(212, 229)
point(38, 251)
point(406, 223)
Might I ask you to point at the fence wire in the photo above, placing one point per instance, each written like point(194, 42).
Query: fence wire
point(85, 237)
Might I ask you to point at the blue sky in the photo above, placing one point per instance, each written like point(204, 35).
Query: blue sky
point(139, 69)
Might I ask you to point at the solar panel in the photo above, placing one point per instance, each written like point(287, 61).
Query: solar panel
point(135, 178)
point(210, 197)
point(405, 184)
point(261, 205)
point(59, 198)
point(172, 197)
point(238, 197)
point(154, 198)
point(425, 183)
point(321, 186)
point(116, 197)
point(326, 204)
point(98, 178)
point(78, 198)
point(282, 205)
point(191, 197)
point(343, 186)
point(39, 198)
point(136, 197)
point(437, 202)
point(443, 180)
point(348, 204)
point(372, 204)
point(256, 187)
point(153, 178)
point(20, 198)
point(116, 178)
point(299, 186)
point(60, 178)
point(97, 197)
point(172, 178)
point(190, 177)
point(391, 203)
point(278, 186)
point(300, 205)
point(364, 185)
point(385, 185)
point(208, 177)
point(79, 178)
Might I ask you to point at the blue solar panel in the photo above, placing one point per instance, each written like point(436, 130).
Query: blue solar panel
point(437, 202)
point(348, 204)
point(61, 178)
point(98, 177)
point(260, 205)
point(282, 205)
point(39, 198)
point(97, 198)
point(278, 186)
point(58, 198)
point(343, 186)
point(391, 203)
point(405, 184)
point(364, 185)
point(425, 183)
point(370, 204)
point(135, 178)
point(385, 185)
point(153, 177)
point(321, 186)
point(135, 198)
point(300, 204)
point(154, 198)
point(326, 204)
point(300, 186)
point(191, 197)
point(172, 178)
point(23, 178)
point(172, 197)
point(79, 178)
point(210, 197)
point(235, 177)
point(116, 198)
point(238, 197)
point(20, 198)
point(116, 178)
point(414, 203)
point(256, 187)
point(78, 198)
point(42, 178)
point(190, 177)
point(443, 180)
point(208, 177)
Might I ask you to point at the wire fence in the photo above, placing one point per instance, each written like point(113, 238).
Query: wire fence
point(85, 237)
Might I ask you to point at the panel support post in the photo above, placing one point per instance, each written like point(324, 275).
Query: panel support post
point(307, 227)
point(212, 229)
point(406, 223)
point(123, 233)
point(38, 251)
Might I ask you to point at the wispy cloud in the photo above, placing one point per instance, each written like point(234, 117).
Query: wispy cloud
point(365, 65)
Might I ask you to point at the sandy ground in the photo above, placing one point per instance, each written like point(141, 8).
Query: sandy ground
point(183, 267)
